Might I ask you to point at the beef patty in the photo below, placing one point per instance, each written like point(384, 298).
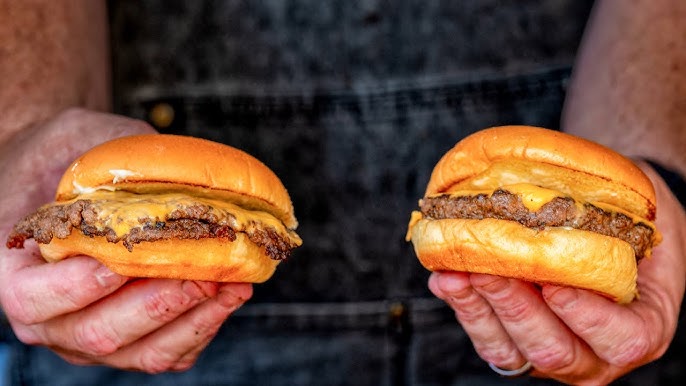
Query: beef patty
point(193, 222)
point(559, 212)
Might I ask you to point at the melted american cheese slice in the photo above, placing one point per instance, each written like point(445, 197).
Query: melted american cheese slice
point(534, 197)
point(122, 211)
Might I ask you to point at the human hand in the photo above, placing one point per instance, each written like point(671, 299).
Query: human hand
point(573, 335)
point(77, 307)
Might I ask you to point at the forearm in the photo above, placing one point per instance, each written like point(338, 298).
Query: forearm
point(629, 85)
point(54, 55)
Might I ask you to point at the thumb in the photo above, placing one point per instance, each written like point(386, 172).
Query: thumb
point(39, 292)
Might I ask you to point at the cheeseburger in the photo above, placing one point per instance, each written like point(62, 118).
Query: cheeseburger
point(167, 206)
point(537, 205)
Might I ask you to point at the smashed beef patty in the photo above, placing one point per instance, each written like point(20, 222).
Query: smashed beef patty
point(559, 212)
point(192, 222)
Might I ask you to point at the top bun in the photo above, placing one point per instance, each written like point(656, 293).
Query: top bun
point(562, 157)
point(146, 163)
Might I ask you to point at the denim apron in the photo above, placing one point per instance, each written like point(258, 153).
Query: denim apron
point(351, 104)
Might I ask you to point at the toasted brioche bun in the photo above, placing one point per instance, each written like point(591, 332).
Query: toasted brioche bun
point(558, 162)
point(177, 167)
point(128, 162)
point(559, 256)
point(563, 160)
point(205, 259)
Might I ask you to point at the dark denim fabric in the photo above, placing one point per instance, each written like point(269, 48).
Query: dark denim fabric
point(351, 104)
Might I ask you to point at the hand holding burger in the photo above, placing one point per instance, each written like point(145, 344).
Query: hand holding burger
point(77, 306)
point(559, 331)
point(167, 206)
point(537, 205)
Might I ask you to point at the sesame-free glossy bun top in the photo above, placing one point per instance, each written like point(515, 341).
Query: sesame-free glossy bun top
point(562, 158)
point(155, 162)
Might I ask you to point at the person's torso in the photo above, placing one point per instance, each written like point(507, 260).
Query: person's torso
point(351, 104)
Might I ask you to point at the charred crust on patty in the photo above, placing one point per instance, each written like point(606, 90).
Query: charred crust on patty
point(192, 222)
point(559, 212)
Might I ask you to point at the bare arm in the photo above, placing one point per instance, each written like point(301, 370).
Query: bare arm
point(54, 55)
point(629, 85)
point(628, 92)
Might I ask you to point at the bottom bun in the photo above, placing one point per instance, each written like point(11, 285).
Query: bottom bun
point(206, 259)
point(560, 256)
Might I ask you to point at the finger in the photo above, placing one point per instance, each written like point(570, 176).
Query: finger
point(618, 334)
point(41, 291)
point(477, 318)
point(539, 334)
point(177, 345)
point(231, 297)
point(134, 311)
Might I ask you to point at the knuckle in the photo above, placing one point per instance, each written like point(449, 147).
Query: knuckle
point(122, 125)
point(497, 354)
point(27, 335)
point(127, 126)
point(92, 339)
point(468, 305)
point(593, 323)
point(205, 328)
point(551, 358)
point(184, 364)
point(234, 295)
point(20, 306)
point(515, 311)
point(69, 294)
point(503, 297)
point(632, 351)
point(72, 113)
point(16, 308)
point(472, 312)
point(156, 361)
point(142, 126)
point(164, 306)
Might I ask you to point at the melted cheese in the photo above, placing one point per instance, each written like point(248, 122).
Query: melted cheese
point(123, 211)
point(583, 187)
point(533, 197)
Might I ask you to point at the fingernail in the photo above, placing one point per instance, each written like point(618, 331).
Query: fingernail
point(490, 284)
point(561, 297)
point(451, 287)
point(452, 283)
point(233, 292)
point(199, 290)
point(107, 278)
